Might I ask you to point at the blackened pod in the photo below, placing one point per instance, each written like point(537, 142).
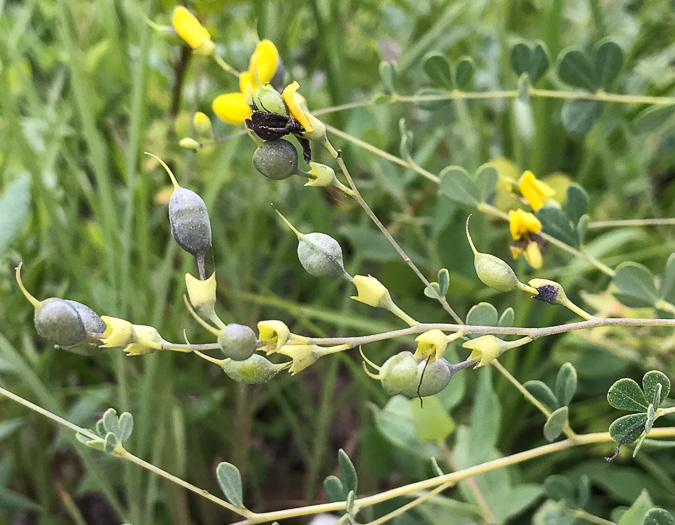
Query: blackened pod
point(189, 220)
point(59, 322)
point(276, 159)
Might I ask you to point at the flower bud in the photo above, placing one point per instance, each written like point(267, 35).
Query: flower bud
point(189, 143)
point(202, 124)
point(273, 334)
point(372, 292)
point(321, 255)
point(268, 99)
point(431, 343)
point(59, 322)
point(189, 221)
point(256, 369)
point(192, 31)
point(237, 342)
point(145, 340)
point(276, 159)
point(399, 373)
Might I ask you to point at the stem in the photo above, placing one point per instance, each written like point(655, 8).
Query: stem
point(392, 241)
point(224, 65)
point(412, 504)
point(631, 222)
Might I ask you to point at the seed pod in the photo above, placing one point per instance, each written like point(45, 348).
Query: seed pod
point(189, 220)
point(59, 322)
point(276, 159)
point(268, 99)
point(93, 324)
point(434, 378)
point(399, 373)
point(237, 342)
point(321, 255)
point(256, 369)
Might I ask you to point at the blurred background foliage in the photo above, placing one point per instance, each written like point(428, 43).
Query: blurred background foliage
point(87, 86)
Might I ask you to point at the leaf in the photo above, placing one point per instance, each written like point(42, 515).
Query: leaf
point(577, 202)
point(126, 427)
point(559, 488)
point(507, 318)
point(486, 178)
point(110, 443)
point(457, 185)
point(542, 393)
point(555, 423)
point(576, 70)
point(443, 281)
point(436, 287)
point(434, 466)
point(553, 513)
point(628, 428)
point(389, 76)
point(533, 61)
point(406, 140)
point(608, 62)
point(464, 72)
point(637, 511)
point(15, 204)
point(556, 223)
point(636, 281)
point(584, 491)
point(578, 116)
point(110, 421)
point(229, 479)
point(566, 383)
point(10, 500)
point(667, 290)
point(652, 118)
point(482, 314)
point(582, 227)
point(625, 394)
point(651, 415)
point(348, 476)
point(334, 489)
point(437, 68)
point(432, 423)
point(658, 517)
point(650, 382)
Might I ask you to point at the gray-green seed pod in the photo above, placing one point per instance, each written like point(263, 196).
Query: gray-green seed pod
point(436, 377)
point(256, 369)
point(398, 373)
point(238, 342)
point(266, 98)
point(189, 220)
point(495, 273)
point(321, 255)
point(276, 159)
point(59, 322)
point(93, 324)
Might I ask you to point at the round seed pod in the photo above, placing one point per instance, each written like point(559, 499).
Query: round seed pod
point(399, 373)
point(189, 220)
point(59, 322)
point(320, 255)
point(238, 342)
point(436, 377)
point(93, 324)
point(495, 273)
point(276, 159)
point(256, 369)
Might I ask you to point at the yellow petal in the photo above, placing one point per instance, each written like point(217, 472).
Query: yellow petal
point(431, 343)
point(534, 190)
point(247, 85)
point(294, 108)
point(370, 291)
point(267, 58)
point(274, 334)
point(485, 348)
point(533, 255)
point(231, 108)
point(522, 222)
point(188, 28)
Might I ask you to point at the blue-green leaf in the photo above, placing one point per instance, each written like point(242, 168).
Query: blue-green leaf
point(464, 72)
point(334, 489)
point(348, 476)
point(625, 394)
point(14, 204)
point(542, 393)
point(555, 423)
point(389, 76)
point(432, 423)
point(556, 223)
point(650, 382)
point(486, 178)
point(667, 290)
point(229, 479)
point(653, 118)
point(531, 60)
point(576, 70)
point(566, 384)
point(559, 488)
point(577, 202)
point(443, 281)
point(459, 186)
point(507, 318)
point(438, 69)
point(126, 427)
point(628, 428)
point(636, 281)
point(608, 62)
point(578, 115)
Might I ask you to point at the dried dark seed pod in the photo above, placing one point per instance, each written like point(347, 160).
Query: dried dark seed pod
point(276, 159)
point(238, 342)
point(93, 324)
point(189, 220)
point(59, 322)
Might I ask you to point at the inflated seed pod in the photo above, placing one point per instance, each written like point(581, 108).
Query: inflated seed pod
point(320, 255)
point(93, 324)
point(256, 369)
point(491, 270)
point(189, 220)
point(238, 342)
point(59, 322)
point(399, 373)
point(276, 159)
point(436, 377)
point(268, 99)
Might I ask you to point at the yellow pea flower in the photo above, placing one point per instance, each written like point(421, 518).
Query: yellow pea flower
point(372, 292)
point(294, 107)
point(274, 334)
point(524, 228)
point(534, 190)
point(231, 108)
point(431, 343)
point(486, 349)
point(192, 31)
point(522, 223)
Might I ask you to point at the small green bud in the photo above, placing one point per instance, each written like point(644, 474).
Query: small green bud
point(268, 99)
point(237, 342)
point(321, 255)
point(189, 143)
point(59, 322)
point(256, 369)
point(202, 124)
point(276, 159)
point(189, 220)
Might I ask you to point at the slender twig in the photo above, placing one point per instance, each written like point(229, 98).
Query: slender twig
point(632, 222)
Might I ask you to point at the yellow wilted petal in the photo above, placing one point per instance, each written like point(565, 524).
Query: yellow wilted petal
point(274, 334)
point(431, 343)
point(189, 28)
point(294, 108)
point(118, 332)
point(370, 291)
point(485, 349)
point(267, 57)
point(231, 108)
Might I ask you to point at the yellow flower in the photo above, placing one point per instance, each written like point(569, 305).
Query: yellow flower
point(431, 343)
point(192, 31)
point(303, 356)
point(234, 108)
point(118, 332)
point(524, 229)
point(274, 334)
point(372, 292)
point(486, 349)
point(294, 107)
point(534, 190)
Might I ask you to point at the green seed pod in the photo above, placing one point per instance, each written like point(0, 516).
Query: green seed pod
point(276, 159)
point(320, 255)
point(399, 373)
point(269, 99)
point(59, 322)
point(238, 342)
point(189, 220)
point(494, 272)
point(436, 377)
point(255, 369)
